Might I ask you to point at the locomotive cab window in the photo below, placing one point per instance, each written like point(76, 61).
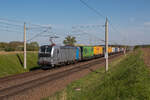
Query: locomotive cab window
point(45, 49)
point(42, 49)
point(48, 49)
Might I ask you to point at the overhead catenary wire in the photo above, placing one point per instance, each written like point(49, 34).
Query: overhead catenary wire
point(93, 9)
point(87, 26)
point(10, 27)
point(8, 30)
point(11, 24)
point(83, 33)
point(7, 25)
point(37, 35)
point(9, 21)
point(78, 29)
point(99, 14)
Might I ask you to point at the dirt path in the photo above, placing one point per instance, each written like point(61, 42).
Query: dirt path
point(146, 56)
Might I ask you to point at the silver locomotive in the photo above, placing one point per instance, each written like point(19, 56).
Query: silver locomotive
point(55, 55)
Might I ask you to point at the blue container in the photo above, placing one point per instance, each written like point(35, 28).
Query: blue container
point(77, 53)
point(116, 49)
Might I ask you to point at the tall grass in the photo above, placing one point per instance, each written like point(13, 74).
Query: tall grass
point(128, 80)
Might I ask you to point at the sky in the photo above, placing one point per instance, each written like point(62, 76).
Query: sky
point(129, 20)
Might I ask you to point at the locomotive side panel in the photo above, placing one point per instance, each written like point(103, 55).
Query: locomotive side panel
point(67, 54)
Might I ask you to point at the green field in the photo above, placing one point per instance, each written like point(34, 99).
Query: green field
point(13, 63)
point(128, 78)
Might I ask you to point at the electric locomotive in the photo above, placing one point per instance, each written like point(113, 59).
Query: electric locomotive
point(56, 55)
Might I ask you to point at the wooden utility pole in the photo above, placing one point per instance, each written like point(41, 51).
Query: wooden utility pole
point(106, 44)
point(25, 60)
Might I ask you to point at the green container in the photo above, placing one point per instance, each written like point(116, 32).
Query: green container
point(87, 51)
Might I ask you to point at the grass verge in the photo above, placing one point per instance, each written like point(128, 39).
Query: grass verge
point(127, 80)
point(13, 63)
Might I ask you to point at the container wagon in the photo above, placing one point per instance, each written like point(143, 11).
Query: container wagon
point(98, 51)
point(109, 50)
point(87, 52)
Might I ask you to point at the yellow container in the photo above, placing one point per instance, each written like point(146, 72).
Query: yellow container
point(109, 49)
point(98, 50)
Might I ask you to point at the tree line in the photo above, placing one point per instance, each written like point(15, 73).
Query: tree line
point(142, 46)
point(18, 46)
point(32, 46)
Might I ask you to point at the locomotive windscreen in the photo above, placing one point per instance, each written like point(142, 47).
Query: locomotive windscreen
point(45, 49)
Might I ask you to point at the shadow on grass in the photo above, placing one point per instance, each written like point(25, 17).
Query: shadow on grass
point(35, 68)
point(19, 58)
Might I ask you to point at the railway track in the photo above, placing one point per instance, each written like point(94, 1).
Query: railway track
point(18, 88)
point(23, 75)
point(29, 76)
point(26, 74)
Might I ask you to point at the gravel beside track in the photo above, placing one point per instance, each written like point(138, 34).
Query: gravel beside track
point(43, 83)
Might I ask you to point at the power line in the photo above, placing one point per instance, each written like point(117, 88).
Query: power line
point(87, 26)
point(39, 25)
point(10, 20)
point(10, 28)
point(100, 14)
point(15, 26)
point(37, 35)
point(83, 33)
point(10, 24)
point(7, 30)
point(35, 28)
point(21, 22)
point(93, 9)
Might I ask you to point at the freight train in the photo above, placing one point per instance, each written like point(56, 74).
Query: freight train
point(59, 55)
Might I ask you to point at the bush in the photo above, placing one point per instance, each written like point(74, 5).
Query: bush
point(9, 49)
